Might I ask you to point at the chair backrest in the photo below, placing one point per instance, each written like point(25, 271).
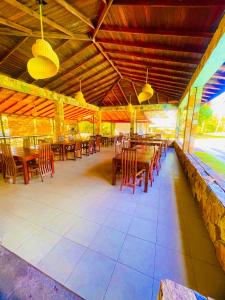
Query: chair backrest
point(118, 148)
point(126, 144)
point(8, 160)
point(129, 164)
point(78, 145)
point(44, 158)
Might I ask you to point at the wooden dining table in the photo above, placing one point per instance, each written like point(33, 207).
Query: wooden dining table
point(144, 157)
point(24, 155)
point(146, 143)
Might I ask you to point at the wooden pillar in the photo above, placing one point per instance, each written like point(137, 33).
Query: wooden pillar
point(59, 119)
point(4, 126)
point(179, 122)
point(194, 101)
point(98, 122)
point(132, 119)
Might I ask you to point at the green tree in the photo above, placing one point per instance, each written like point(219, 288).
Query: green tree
point(205, 113)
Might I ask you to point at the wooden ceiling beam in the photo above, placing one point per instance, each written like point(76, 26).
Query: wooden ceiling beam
point(141, 79)
point(65, 61)
point(158, 75)
point(36, 15)
point(149, 31)
point(135, 91)
point(40, 100)
point(122, 92)
point(20, 43)
point(74, 11)
point(171, 3)
point(142, 66)
point(90, 98)
point(151, 56)
point(99, 83)
point(89, 80)
point(107, 58)
point(110, 82)
point(114, 94)
point(162, 74)
point(111, 88)
point(147, 45)
point(14, 25)
point(103, 89)
point(102, 17)
point(82, 76)
point(45, 111)
point(71, 71)
point(155, 82)
point(47, 34)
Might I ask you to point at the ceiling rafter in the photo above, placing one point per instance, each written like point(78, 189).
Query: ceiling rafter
point(75, 12)
point(149, 31)
point(102, 17)
point(48, 34)
point(122, 92)
point(135, 91)
point(111, 88)
point(107, 58)
point(147, 45)
point(15, 25)
point(71, 70)
point(36, 15)
point(91, 90)
point(151, 56)
point(128, 64)
point(117, 98)
point(20, 43)
point(171, 3)
point(158, 75)
point(141, 79)
point(37, 99)
point(96, 83)
point(161, 74)
point(86, 72)
point(65, 61)
point(88, 79)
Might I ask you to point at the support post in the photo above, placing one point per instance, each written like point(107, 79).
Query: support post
point(98, 122)
point(132, 119)
point(193, 106)
point(59, 119)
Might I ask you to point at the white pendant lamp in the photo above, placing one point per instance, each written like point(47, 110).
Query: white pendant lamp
point(147, 91)
point(45, 62)
point(79, 95)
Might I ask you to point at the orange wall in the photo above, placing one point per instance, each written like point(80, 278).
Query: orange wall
point(24, 126)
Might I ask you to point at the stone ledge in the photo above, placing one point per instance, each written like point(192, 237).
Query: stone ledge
point(211, 198)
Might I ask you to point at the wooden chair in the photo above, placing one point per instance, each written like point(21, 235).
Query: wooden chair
point(130, 175)
point(98, 144)
point(157, 162)
point(78, 149)
point(44, 165)
point(57, 150)
point(10, 167)
point(151, 169)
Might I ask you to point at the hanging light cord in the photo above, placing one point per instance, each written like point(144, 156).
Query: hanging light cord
point(40, 8)
point(147, 76)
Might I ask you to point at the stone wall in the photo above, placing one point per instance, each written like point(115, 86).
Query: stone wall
point(211, 198)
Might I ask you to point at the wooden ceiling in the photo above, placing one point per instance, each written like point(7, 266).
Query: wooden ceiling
point(109, 45)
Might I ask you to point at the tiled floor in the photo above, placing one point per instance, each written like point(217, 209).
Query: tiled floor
point(107, 244)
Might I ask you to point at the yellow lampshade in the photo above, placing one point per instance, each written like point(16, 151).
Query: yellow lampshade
point(45, 62)
point(80, 97)
point(146, 94)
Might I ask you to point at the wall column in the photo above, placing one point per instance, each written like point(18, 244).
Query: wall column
point(59, 119)
point(178, 124)
point(98, 122)
point(132, 120)
point(193, 106)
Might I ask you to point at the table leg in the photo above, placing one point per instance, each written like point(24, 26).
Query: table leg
point(146, 178)
point(25, 172)
point(114, 168)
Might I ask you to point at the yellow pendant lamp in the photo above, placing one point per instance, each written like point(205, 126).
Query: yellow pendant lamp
point(147, 91)
point(45, 62)
point(79, 95)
